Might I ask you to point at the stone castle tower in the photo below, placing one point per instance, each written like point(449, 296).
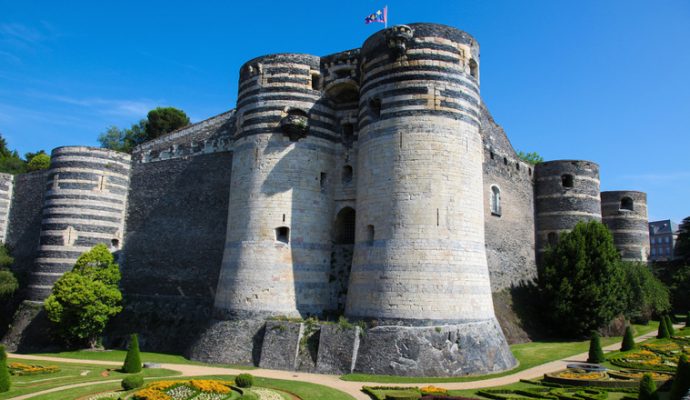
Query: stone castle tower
point(371, 184)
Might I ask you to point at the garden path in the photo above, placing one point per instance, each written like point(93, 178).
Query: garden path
point(333, 381)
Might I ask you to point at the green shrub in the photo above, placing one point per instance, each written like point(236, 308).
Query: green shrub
point(244, 380)
point(596, 354)
point(628, 340)
point(669, 326)
point(681, 382)
point(687, 320)
point(4, 372)
point(132, 363)
point(648, 388)
point(402, 396)
point(132, 382)
point(663, 329)
point(249, 396)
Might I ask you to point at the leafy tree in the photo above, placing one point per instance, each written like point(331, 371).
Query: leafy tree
point(681, 382)
point(84, 299)
point(680, 288)
point(663, 333)
point(531, 158)
point(38, 162)
point(596, 354)
point(683, 242)
point(132, 363)
point(646, 295)
point(628, 340)
point(163, 120)
point(4, 371)
point(648, 388)
point(10, 162)
point(582, 280)
point(8, 282)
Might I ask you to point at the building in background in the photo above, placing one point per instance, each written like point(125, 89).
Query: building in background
point(662, 240)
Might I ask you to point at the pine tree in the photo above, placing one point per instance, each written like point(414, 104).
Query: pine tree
point(648, 388)
point(132, 363)
point(663, 329)
point(596, 354)
point(628, 340)
point(681, 382)
point(669, 326)
point(4, 372)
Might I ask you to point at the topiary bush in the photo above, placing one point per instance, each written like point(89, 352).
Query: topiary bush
point(663, 329)
point(132, 364)
point(4, 372)
point(648, 388)
point(669, 326)
point(244, 380)
point(681, 382)
point(596, 354)
point(132, 382)
point(628, 340)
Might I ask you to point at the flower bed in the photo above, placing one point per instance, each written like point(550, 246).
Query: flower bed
point(187, 389)
point(544, 393)
point(410, 393)
point(660, 356)
point(17, 368)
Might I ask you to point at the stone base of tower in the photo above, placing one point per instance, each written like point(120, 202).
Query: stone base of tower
point(30, 329)
point(470, 348)
point(229, 342)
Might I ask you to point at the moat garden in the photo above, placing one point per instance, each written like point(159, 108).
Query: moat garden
point(91, 375)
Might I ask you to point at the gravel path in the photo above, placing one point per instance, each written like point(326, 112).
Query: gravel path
point(333, 381)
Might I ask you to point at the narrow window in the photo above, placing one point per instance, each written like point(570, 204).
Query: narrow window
point(529, 171)
point(491, 154)
point(517, 166)
point(101, 183)
point(375, 107)
point(69, 236)
point(505, 161)
point(315, 81)
point(348, 133)
point(552, 238)
point(438, 217)
point(567, 180)
point(370, 234)
point(322, 181)
point(283, 234)
point(283, 217)
point(495, 202)
point(474, 69)
point(627, 204)
point(347, 174)
point(653, 252)
point(115, 243)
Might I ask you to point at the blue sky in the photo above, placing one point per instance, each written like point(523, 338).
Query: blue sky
point(607, 81)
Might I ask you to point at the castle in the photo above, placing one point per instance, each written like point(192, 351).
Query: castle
point(372, 183)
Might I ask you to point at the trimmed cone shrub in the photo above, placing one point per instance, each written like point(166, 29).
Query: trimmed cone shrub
point(648, 388)
point(244, 380)
point(596, 354)
point(4, 372)
point(681, 382)
point(663, 329)
point(132, 382)
point(687, 320)
point(132, 363)
point(669, 326)
point(628, 340)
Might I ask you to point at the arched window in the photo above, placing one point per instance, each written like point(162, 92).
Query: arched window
point(627, 204)
point(567, 180)
point(474, 68)
point(495, 202)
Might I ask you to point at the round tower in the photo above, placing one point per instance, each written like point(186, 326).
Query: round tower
point(625, 214)
point(277, 254)
point(419, 252)
point(566, 192)
point(84, 205)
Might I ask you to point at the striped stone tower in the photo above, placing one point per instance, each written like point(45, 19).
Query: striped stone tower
point(84, 205)
point(566, 192)
point(625, 214)
point(277, 254)
point(419, 254)
point(6, 181)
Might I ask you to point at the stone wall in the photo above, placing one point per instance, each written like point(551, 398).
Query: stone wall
point(6, 183)
point(509, 224)
point(176, 223)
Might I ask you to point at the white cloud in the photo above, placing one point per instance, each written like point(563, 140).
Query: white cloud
point(117, 107)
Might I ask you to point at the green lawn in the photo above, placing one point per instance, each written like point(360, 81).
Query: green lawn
point(69, 374)
point(528, 355)
point(119, 356)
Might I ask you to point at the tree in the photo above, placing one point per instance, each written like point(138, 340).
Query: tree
point(681, 382)
point(582, 280)
point(628, 340)
point(596, 354)
point(132, 363)
point(648, 388)
point(680, 288)
point(4, 372)
point(10, 162)
point(8, 282)
point(38, 162)
point(646, 295)
point(531, 158)
point(663, 333)
point(84, 299)
point(163, 120)
point(683, 242)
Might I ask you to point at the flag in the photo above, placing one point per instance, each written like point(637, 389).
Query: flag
point(378, 16)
